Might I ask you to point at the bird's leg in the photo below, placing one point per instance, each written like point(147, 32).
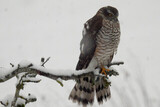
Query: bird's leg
point(103, 70)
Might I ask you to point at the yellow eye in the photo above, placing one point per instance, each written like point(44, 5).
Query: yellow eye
point(110, 15)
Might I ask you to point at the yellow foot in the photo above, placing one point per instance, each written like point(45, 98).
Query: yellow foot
point(104, 71)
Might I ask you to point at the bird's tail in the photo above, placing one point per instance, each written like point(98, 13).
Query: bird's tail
point(102, 88)
point(84, 90)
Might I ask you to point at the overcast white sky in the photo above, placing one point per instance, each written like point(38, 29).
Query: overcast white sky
point(31, 29)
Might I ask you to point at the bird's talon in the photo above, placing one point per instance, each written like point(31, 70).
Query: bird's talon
point(104, 71)
point(108, 70)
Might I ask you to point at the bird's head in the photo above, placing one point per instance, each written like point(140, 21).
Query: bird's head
point(109, 12)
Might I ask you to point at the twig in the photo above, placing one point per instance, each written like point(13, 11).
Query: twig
point(3, 103)
point(115, 63)
point(11, 64)
point(34, 81)
point(28, 100)
point(42, 60)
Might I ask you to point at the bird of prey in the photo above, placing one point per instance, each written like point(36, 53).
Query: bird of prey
point(101, 36)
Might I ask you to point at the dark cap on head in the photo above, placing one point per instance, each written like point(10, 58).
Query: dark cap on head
point(109, 10)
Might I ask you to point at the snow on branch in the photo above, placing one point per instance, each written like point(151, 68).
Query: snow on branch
point(26, 66)
point(26, 72)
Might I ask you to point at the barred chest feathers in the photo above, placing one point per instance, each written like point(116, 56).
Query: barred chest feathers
point(107, 41)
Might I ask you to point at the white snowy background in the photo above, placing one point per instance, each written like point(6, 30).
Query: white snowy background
point(31, 29)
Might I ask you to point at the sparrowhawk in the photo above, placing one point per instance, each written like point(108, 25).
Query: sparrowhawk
point(101, 36)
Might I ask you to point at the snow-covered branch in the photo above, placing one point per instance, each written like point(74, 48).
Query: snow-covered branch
point(26, 71)
point(26, 66)
point(22, 79)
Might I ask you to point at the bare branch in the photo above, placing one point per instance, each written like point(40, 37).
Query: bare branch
point(115, 63)
point(11, 64)
point(3, 103)
point(42, 60)
point(28, 100)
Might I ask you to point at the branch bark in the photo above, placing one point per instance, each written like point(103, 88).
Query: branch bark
point(52, 74)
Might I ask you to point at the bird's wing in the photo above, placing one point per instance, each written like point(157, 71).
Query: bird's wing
point(88, 42)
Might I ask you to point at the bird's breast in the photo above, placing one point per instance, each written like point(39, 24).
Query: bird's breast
point(107, 41)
